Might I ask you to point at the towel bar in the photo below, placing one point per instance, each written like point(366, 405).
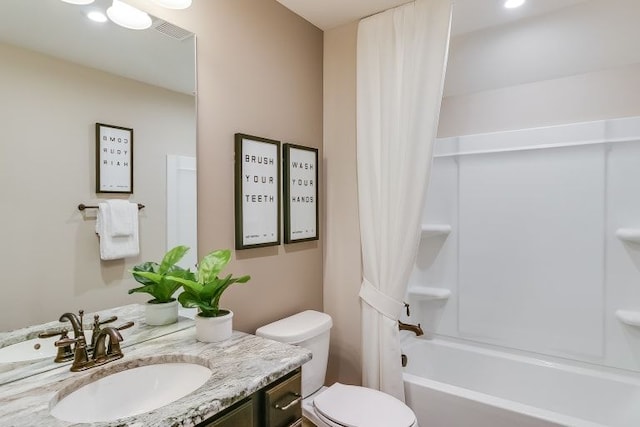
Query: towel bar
point(82, 206)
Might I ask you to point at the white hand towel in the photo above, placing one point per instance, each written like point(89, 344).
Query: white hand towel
point(123, 215)
point(116, 247)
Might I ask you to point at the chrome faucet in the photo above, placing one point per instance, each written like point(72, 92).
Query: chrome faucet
point(416, 329)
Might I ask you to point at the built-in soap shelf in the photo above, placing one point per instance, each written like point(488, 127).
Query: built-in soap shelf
point(430, 230)
point(426, 293)
point(629, 317)
point(628, 234)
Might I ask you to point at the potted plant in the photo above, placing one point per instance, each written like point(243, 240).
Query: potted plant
point(204, 291)
point(158, 281)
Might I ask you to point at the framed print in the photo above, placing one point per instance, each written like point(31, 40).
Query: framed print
point(300, 193)
point(257, 191)
point(114, 159)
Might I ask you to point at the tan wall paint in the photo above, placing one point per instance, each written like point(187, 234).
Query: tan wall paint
point(260, 73)
point(342, 259)
point(49, 251)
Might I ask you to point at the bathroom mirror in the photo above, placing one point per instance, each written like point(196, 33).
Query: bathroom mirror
point(60, 74)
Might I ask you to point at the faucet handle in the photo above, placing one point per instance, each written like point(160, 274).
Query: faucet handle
point(65, 353)
point(81, 316)
point(406, 306)
point(105, 321)
point(66, 341)
point(52, 333)
point(125, 326)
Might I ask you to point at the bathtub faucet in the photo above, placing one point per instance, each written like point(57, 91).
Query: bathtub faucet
point(416, 329)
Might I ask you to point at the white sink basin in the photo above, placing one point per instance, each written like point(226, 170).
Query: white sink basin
point(29, 350)
point(131, 392)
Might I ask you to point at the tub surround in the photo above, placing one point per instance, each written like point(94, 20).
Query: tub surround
point(540, 249)
point(241, 366)
point(138, 333)
point(450, 382)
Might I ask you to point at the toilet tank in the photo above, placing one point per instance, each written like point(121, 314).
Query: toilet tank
point(308, 329)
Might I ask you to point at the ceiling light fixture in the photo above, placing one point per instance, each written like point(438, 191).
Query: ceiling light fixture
point(128, 16)
point(97, 16)
point(78, 1)
point(512, 4)
point(173, 4)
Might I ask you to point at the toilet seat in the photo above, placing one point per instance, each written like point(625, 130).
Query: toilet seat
point(352, 406)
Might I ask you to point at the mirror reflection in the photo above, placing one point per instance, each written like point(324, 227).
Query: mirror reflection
point(60, 74)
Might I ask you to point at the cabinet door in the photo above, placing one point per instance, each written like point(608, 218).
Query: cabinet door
point(242, 416)
point(283, 403)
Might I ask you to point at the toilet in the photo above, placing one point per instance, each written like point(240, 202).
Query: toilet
point(338, 405)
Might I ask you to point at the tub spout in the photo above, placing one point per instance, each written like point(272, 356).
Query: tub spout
point(416, 329)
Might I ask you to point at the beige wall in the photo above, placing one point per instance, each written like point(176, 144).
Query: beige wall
point(49, 250)
point(342, 260)
point(260, 73)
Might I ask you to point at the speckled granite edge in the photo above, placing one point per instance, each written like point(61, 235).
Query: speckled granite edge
point(139, 332)
point(240, 366)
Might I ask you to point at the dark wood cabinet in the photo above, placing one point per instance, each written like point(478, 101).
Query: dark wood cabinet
point(240, 415)
point(279, 404)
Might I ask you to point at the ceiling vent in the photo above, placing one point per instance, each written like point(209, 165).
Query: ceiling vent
point(171, 30)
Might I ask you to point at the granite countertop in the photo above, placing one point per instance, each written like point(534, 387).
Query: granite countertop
point(138, 333)
point(240, 366)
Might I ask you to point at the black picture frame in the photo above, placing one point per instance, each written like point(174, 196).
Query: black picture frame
point(257, 191)
point(300, 193)
point(114, 159)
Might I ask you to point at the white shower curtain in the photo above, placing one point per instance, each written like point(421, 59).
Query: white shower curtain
point(401, 62)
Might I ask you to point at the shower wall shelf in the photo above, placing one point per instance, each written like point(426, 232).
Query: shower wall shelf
point(430, 230)
point(628, 234)
point(628, 317)
point(422, 293)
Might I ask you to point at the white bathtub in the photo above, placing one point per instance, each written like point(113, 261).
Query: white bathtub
point(450, 384)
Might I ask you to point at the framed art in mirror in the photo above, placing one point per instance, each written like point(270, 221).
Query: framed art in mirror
point(300, 193)
point(114, 159)
point(257, 191)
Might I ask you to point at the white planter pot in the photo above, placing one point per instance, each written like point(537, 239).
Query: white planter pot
point(161, 314)
point(214, 329)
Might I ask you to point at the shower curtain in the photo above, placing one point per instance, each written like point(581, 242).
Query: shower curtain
point(401, 59)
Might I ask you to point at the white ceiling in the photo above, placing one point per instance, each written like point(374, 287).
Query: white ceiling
point(162, 55)
point(43, 25)
point(468, 15)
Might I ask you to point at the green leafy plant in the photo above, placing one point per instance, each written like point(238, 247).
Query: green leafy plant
point(158, 280)
point(204, 291)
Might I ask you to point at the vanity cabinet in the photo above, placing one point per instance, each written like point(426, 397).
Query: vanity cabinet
point(240, 414)
point(279, 404)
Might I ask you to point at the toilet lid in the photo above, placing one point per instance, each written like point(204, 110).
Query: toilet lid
point(354, 406)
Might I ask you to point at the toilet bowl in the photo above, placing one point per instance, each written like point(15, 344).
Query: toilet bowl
point(338, 405)
point(343, 405)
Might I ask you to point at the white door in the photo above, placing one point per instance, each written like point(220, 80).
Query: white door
point(182, 207)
